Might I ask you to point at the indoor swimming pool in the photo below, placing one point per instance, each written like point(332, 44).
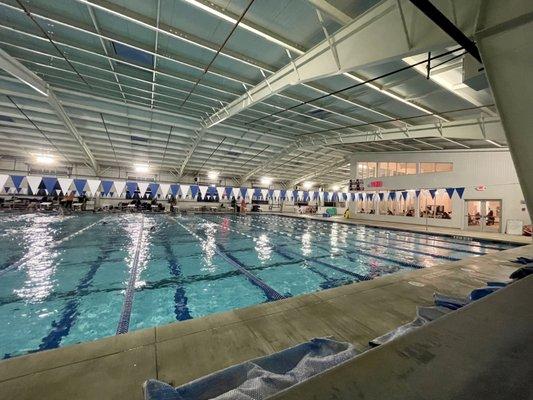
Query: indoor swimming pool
point(71, 279)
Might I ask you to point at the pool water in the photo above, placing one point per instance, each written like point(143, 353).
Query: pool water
point(71, 279)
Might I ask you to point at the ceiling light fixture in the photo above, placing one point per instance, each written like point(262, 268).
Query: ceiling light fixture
point(266, 181)
point(308, 185)
point(141, 167)
point(212, 175)
point(44, 159)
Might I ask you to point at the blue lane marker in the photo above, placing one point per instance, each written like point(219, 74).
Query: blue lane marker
point(359, 277)
point(125, 315)
point(54, 244)
point(270, 293)
point(180, 298)
point(61, 328)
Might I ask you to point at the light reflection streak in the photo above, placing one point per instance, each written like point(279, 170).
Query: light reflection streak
point(133, 230)
point(38, 239)
point(263, 247)
point(306, 244)
point(334, 238)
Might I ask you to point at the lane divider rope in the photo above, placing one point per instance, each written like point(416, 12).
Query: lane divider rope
point(271, 293)
point(125, 315)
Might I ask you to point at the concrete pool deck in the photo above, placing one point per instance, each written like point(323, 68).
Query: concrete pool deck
point(115, 367)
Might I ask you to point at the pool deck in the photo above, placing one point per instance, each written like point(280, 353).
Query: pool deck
point(115, 367)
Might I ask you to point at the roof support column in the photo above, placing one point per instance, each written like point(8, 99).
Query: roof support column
point(507, 54)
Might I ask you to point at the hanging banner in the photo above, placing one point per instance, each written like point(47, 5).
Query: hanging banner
point(236, 193)
point(33, 183)
point(370, 196)
point(119, 187)
point(283, 194)
point(154, 189)
point(321, 195)
point(50, 184)
point(184, 189)
point(264, 193)
point(306, 195)
point(432, 192)
point(244, 190)
point(460, 191)
point(300, 194)
point(17, 182)
point(228, 192)
point(80, 184)
point(3, 180)
point(404, 195)
point(450, 192)
point(381, 196)
point(417, 193)
point(194, 191)
point(65, 184)
point(174, 189)
point(106, 187)
point(143, 186)
point(277, 194)
point(270, 193)
point(164, 189)
point(203, 190)
point(257, 193)
point(220, 192)
point(131, 187)
point(345, 196)
point(94, 185)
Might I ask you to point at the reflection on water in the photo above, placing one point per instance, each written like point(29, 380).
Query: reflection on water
point(263, 247)
point(209, 245)
point(133, 229)
point(38, 240)
point(306, 243)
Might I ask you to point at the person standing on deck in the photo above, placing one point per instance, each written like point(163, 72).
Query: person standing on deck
point(243, 206)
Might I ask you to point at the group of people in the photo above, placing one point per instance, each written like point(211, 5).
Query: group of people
point(241, 208)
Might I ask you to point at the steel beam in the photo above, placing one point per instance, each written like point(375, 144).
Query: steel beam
point(377, 35)
point(315, 174)
point(19, 71)
point(333, 12)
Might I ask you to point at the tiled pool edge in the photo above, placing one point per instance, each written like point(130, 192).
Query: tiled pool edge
point(27, 366)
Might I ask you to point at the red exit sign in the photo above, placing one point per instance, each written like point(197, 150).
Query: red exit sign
point(376, 184)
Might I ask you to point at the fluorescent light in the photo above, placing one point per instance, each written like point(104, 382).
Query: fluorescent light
point(212, 175)
point(141, 167)
point(266, 181)
point(243, 25)
point(44, 159)
point(335, 188)
point(308, 185)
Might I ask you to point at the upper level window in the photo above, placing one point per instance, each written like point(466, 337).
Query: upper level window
point(400, 168)
point(410, 168)
point(443, 167)
point(382, 169)
point(427, 167)
point(367, 170)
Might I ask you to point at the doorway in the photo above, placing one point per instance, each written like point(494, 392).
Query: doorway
point(483, 215)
